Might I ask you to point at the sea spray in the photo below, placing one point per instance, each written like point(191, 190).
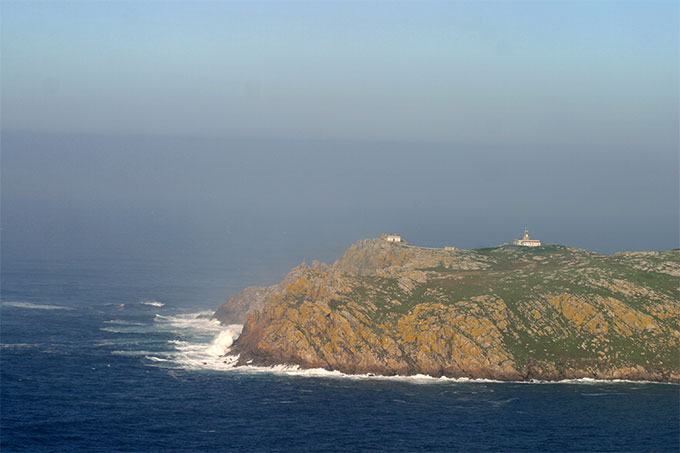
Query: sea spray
point(198, 322)
point(222, 343)
point(205, 345)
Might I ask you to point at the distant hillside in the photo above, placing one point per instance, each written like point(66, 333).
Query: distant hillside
point(549, 312)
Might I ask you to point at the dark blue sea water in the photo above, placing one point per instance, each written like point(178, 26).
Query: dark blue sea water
point(107, 351)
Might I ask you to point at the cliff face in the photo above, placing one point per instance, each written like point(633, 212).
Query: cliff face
point(549, 312)
point(252, 299)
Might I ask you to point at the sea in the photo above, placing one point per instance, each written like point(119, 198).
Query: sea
point(114, 350)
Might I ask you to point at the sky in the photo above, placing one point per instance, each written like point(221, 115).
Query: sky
point(581, 73)
point(315, 124)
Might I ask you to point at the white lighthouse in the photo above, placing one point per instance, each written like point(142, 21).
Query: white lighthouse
point(526, 241)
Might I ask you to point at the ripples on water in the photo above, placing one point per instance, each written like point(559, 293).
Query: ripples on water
point(148, 377)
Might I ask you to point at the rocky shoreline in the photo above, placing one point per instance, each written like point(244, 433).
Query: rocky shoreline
point(506, 313)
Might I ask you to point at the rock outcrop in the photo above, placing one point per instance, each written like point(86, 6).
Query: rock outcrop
point(508, 313)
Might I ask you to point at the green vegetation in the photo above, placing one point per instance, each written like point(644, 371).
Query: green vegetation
point(523, 278)
point(507, 311)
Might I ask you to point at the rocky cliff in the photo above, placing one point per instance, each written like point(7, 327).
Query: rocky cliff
point(509, 313)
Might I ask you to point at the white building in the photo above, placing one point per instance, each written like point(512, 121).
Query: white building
point(526, 241)
point(450, 248)
point(392, 238)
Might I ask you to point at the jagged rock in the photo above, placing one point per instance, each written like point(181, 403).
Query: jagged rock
point(549, 312)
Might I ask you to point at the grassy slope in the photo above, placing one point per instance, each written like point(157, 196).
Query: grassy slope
point(523, 278)
point(408, 308)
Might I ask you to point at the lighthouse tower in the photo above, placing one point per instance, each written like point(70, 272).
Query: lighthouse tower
point(526, 241)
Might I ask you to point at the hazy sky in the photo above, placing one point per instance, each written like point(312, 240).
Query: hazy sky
point(302, 127)
point(513, 73)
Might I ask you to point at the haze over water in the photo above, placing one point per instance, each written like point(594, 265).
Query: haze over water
point(156, 158)
point(449, 122)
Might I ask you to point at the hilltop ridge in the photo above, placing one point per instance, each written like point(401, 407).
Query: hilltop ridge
point(506, 312)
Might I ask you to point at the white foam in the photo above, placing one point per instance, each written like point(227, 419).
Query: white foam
point(199, 322)
point(152, 303)
point(215, 356)
point(196, 357)
point(294, 370)
point(33, 306)
point(18, 345)
point(591, 381)
point(199, 343)
point(208, 344)
point(220, 345)
point(155, 359)
point(134, 328)
point(203, 355)
point(128, 353)
point(123, 322)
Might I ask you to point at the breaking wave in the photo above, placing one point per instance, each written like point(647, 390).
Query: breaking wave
point(134, 353)
point(199, 322)
point(220, 346)
point(207, 355)
point(33, 306)
point(18, 345)
point(202, 343)
point(129, 329)
point(189, 341)
point(123, 322)
point(294, 370)
point(156, 359)
point(152, 303)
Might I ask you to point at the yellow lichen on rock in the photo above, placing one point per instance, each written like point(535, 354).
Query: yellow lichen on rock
point(502, 313)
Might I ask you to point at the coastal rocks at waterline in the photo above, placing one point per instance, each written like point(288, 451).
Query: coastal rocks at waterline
point(508, 313)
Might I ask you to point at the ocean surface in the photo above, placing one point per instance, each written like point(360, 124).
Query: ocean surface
point(105, 350)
